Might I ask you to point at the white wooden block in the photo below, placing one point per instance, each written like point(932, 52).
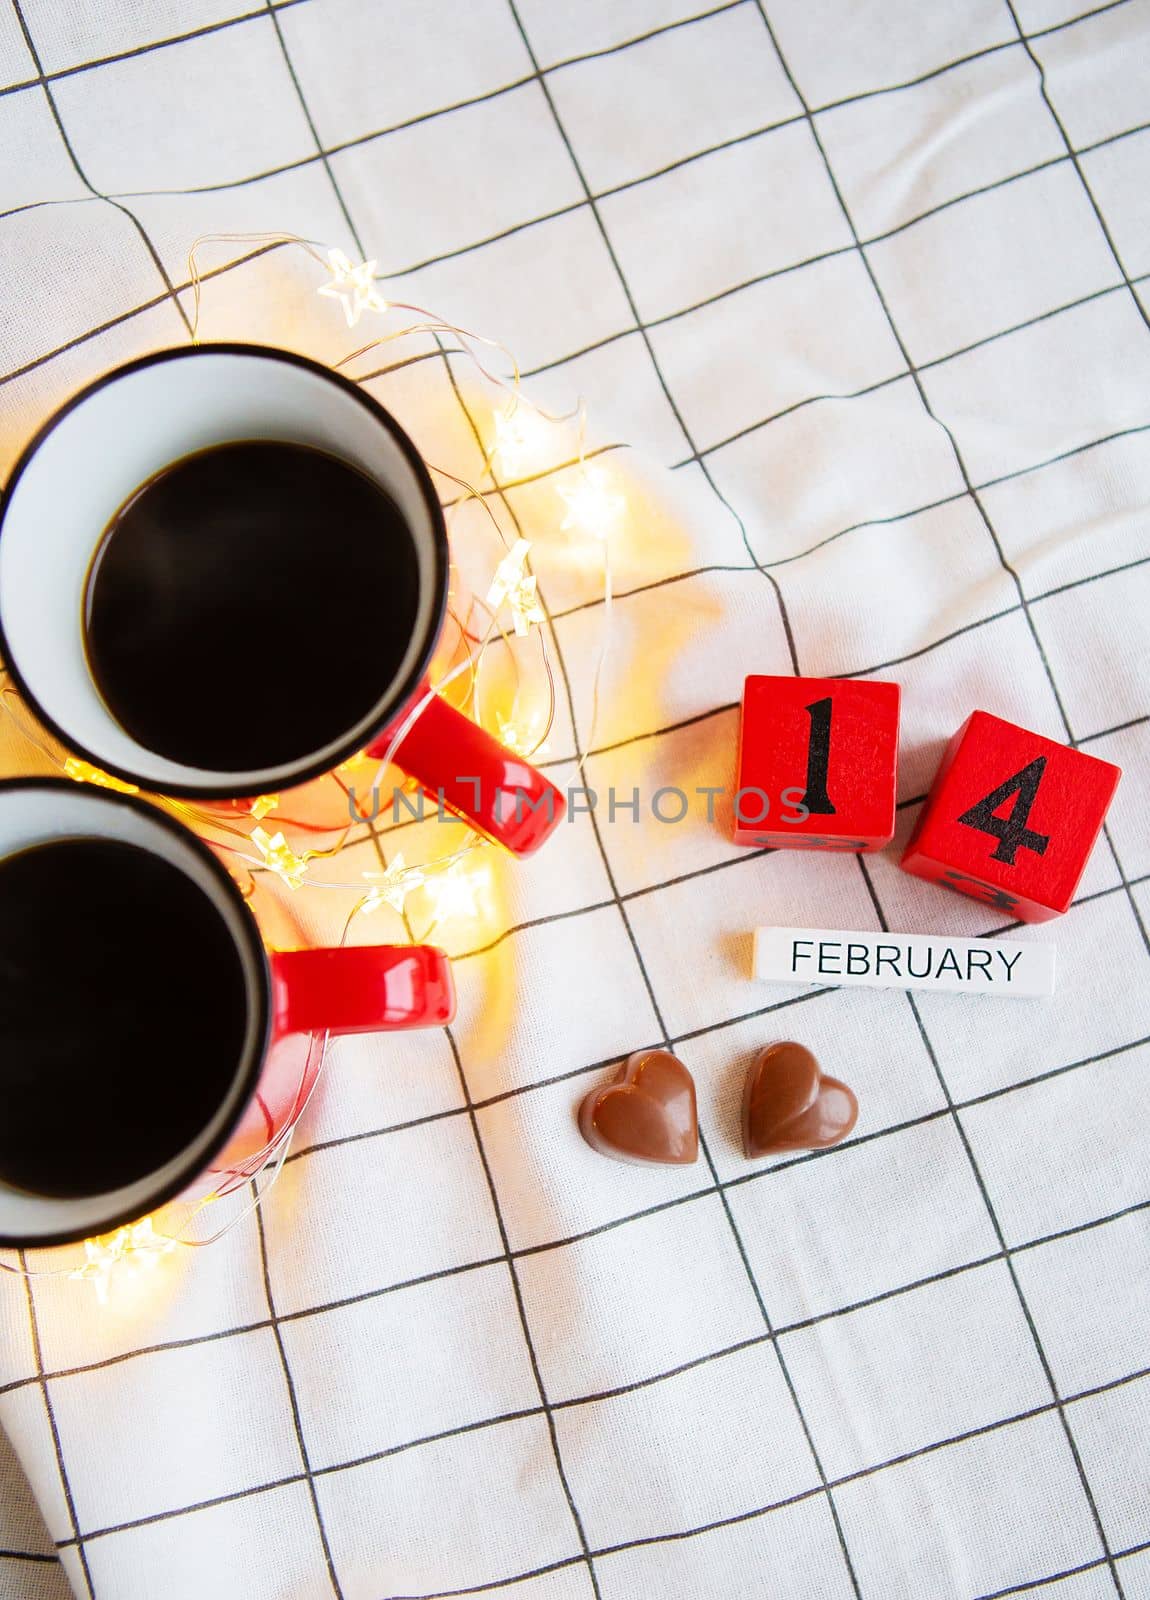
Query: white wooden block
point(837, 957)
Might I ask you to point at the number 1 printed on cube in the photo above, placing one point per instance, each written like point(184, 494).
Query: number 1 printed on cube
point(1011, 818)
point(817, 763)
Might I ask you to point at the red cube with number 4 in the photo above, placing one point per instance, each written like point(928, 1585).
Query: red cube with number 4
point(817, 763)
point(1011, 818)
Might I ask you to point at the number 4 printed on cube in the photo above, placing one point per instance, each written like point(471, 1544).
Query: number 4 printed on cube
point(1011, 818)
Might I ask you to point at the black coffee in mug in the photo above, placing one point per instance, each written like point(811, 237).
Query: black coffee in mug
point(123, 1015)
point(245, 605)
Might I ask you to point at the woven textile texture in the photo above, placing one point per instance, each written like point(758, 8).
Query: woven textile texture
point(866, 288)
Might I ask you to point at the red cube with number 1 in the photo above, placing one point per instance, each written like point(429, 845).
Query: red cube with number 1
point(817, 763)
point(1011, 818)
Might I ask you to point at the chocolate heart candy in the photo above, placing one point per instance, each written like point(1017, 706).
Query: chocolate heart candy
point(788, 1103)
point(647, 1114)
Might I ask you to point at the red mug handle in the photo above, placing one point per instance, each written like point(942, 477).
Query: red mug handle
point(362, 988)
point(479, 779)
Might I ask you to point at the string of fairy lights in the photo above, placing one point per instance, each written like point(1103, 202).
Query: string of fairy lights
point(589, 507)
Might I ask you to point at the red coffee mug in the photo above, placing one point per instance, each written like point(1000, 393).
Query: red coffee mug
point(128, 426)
point(289, 996)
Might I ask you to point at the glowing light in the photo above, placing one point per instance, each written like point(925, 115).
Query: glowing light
point(393, 886)
point(81, 772)
point(353, 285)
point(515, 586)
point(465, 885)
point(454, 892)
point(519, 434)
point(137, 1245)
point(591, 506)
point(279, 857)
point(524, 740)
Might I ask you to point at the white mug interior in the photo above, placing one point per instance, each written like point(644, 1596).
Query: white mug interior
point(34, 813)
point(115, 437)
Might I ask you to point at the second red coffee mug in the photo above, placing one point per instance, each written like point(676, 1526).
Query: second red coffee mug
point(150, 1043)
point(94, 455)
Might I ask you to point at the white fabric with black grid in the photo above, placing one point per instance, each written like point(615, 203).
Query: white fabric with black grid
point(866, 288)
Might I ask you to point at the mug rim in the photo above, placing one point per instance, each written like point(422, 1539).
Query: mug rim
point(401, 692)
point(251, 1070)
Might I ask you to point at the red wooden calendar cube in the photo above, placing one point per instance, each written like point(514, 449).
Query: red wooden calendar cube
point(817, 763)
point(1011, 818)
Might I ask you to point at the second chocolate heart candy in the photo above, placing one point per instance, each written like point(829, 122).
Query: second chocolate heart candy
point(788, 1103)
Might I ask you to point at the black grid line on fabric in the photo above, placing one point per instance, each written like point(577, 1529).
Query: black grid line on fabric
point(286, 5)
point(820, 256)
point(507, 484)
point(913, 371)
point(1073, 155)
point(293, 1400)
point(911, 1001)
point(464, 1086)
point(1067, 1572)
point(518, 83)
point(901, 516)
point(297, 1421)
point(742, 1517)
point(565, 679)
point(587, 1556)
point(545, 920)
point(1119, 727)
point(1141, 310)
point(118, 205)
point(781, 1331)
point(310, 120)
point(411, 268)
point(593, 196)
point(143, 49)
point(634, 312)
point(570, 356)
point(1125, 885)
point(642, 38)
point(545, 1409)
point(854, 672)
point(960, 61)
point(57, 1448)
point(136, 311)
point(627, 924)
point(798, 405)
point(1024, 1304)
point(981, 1431)
point(29, 1555)
point(726, 567)
point(1102, 8)
point(922, 366)
point(726, 706)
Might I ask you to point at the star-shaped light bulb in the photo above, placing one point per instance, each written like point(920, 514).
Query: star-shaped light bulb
point(453, 892)
point(514, 585)
point(392, 887)
point(353, 285)
point(279, 858)
point(519, 431)
point(138, 1245)
point(592, 507)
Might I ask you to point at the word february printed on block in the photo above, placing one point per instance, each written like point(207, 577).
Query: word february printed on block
point(836, 956)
